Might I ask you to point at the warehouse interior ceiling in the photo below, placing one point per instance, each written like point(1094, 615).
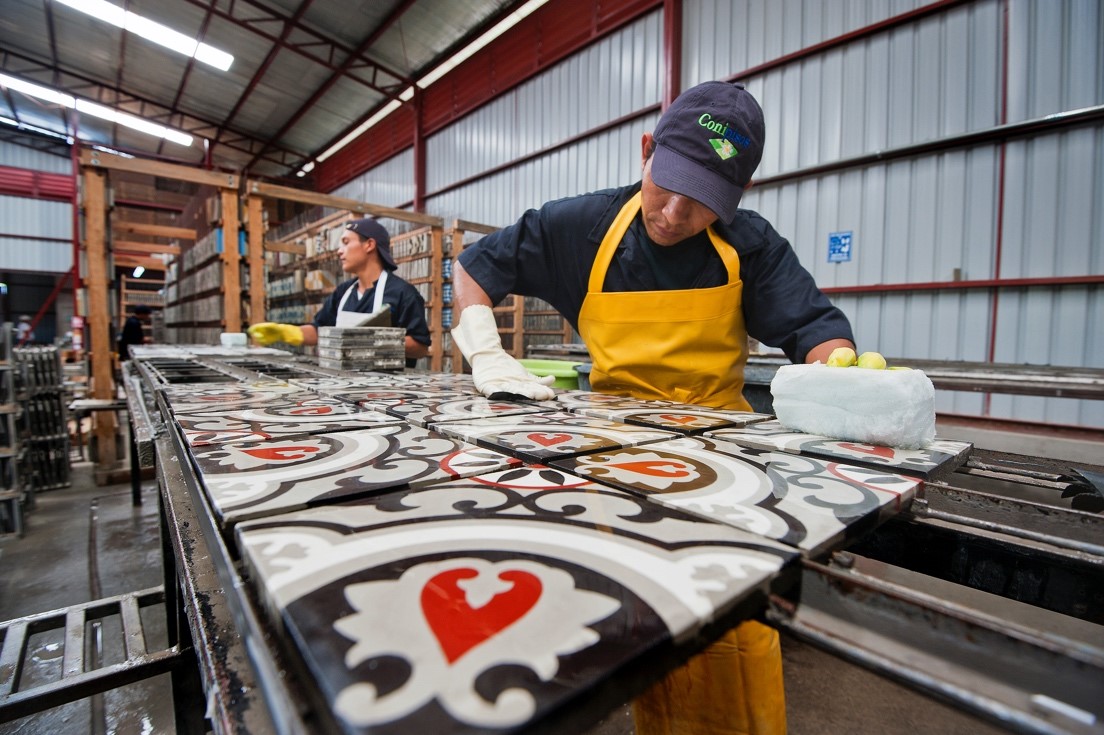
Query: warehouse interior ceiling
point(305, 73)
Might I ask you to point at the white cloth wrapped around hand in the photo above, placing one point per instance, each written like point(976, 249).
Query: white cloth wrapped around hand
point(494, 371)
point(893, 408)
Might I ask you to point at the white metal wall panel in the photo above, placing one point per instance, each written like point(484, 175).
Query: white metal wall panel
point(724, 37)
point(1055, 57)
point(36, 218)
point(18, 156)
point(934, 218)
point(587, 166)
point(1054, 206)
point(618, 75)
point(904, 86)
point(913, 220)
point(926, 218)
point(390, 184)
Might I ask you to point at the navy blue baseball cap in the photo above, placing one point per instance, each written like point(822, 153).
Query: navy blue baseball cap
point(371, 229)
point(708, 144)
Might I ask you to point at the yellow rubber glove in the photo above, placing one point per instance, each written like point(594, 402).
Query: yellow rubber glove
point(266, 333)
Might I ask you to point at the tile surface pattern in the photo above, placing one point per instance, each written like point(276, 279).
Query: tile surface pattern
point(539, 437)
point(431, 581)
point(941, 456)
point(801, 501)
point(314, 416)
point(255, 479)
point(546, 586)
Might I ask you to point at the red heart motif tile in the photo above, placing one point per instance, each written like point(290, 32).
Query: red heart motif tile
point(276, 454)
point(874, 449)
point(457, 625)
point(678, 418)
point(548, 440)
point(655, 468)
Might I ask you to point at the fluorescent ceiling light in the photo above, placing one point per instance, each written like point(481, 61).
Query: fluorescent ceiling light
point(91, 108)
point(363, 127)
point(138, 271)
point(470, 50)
point(466, 53)
point(35, 129)
point(152, 31)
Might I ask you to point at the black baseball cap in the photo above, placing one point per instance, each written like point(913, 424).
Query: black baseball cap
point(371, 229)
point(708, 144)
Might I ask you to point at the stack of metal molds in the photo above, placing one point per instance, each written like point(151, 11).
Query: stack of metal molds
point(362, 348)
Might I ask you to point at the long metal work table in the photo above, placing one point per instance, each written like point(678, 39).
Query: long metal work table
point(985, 589)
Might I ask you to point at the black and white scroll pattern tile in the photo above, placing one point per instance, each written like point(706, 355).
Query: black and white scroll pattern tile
point(255, 479)
point(260, 423)
point(937, 459)
point(191, 398)
point(451, 381)
point(575, 400)
point(429, 411)
point(339, 386)
point(540, 437)
point(380, 398)
point(680, 417)
point(498, 601)
point(807, 503)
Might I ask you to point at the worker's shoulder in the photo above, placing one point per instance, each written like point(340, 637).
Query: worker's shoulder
point(588, 216)
point(592, 204)
point(749, 232)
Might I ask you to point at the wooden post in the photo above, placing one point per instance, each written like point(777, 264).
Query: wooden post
point(231, 262)
point(99, 310)
point(254, 212)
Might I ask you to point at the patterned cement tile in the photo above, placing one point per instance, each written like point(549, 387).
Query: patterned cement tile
point(338, 386)
point(317, 416)
point(539, 437)
point(938, 459)
point(574, 400)
point(519, 600)
point(452, 381)
point(681, 417)
point(191, 398)
point(429, 411)
point(812, 504)
point(255, 479)
point(380, 399)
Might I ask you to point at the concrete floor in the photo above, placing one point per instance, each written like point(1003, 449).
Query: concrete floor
point(87, 542)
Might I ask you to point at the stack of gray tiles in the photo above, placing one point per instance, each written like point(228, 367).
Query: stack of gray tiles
point(362, 348)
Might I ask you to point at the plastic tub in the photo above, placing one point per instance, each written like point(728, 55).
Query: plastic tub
point(562, 370)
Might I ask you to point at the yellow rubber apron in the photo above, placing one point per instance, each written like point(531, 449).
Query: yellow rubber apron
point(688, 346)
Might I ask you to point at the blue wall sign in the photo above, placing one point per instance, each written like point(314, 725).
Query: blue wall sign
point(839, 247)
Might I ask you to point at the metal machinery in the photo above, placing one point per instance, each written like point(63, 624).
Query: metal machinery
point(988, 593)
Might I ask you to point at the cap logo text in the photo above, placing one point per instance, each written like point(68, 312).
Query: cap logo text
point(726, 145)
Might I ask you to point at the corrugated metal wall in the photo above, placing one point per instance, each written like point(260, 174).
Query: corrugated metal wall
point(935, 218)
point(927, 218)
point(38, 219)
point(19, 156)
point(613, 78)
point(35, 218)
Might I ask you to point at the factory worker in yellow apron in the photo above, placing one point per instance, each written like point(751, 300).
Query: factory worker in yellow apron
point(651, 278)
